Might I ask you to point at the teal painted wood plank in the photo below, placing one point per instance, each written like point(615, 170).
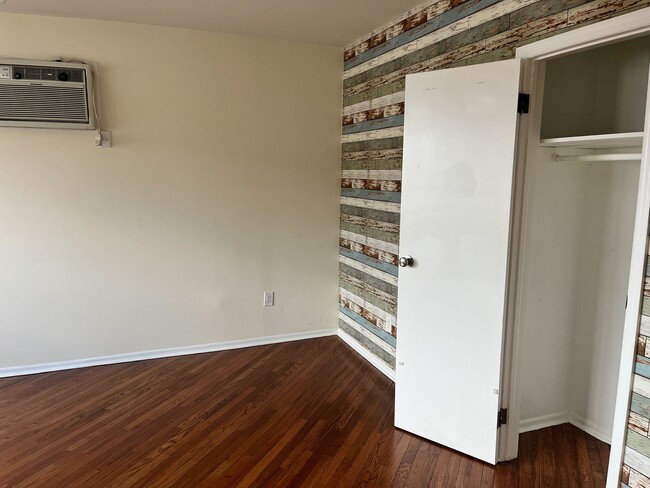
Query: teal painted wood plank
point(374, 145)
point(638, 442)
point(369, 294)
point(418, 56)
point(539, 10)
point(478, 33)
point(382, 334)
point(642, 366)
point(385, 123)
point(375, 263)
point(382, 196)
point(379, 91)
point(640, 405)
point(373, 164)
point(461, 11)
point(370, 232)
point(368, 344)
point(371, 213)
point(370, 224)
point(496, 55)
point(371, 280)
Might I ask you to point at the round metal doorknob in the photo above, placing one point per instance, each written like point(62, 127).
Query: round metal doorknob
point(405, 261)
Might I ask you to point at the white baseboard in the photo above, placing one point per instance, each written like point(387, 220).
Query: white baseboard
point(544, 421)
point(367, 355)
point(563, 418)
point(590, 428)
point(162, 353)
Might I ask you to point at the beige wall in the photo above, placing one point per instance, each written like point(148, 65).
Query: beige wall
point(222, 183)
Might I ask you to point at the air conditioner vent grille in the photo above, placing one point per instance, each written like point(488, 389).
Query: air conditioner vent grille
point(33, 102)
point(46, 94)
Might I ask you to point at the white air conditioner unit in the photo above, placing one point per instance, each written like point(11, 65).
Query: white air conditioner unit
point(46, 94)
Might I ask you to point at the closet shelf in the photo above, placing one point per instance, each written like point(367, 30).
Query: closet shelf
point(625, 139)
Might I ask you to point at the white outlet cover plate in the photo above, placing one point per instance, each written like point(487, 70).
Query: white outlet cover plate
point(107, 138)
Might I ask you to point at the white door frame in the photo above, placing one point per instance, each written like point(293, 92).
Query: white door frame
point(616, 29)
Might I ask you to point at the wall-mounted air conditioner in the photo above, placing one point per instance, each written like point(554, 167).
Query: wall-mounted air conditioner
point(46, 94)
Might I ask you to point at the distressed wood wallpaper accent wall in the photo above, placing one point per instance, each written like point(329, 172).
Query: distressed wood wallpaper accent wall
point(636, 464)
point(437, 35)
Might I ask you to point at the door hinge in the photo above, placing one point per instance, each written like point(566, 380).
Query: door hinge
point(523, 103)
point(502, 417)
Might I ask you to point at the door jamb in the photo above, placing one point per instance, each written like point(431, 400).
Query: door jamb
point(532, 73)
point(626, 26)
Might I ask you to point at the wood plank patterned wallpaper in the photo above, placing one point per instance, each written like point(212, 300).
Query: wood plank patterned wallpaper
point(636, 467)
point(442, 34)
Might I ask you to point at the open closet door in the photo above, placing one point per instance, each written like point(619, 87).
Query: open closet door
point(459, 152)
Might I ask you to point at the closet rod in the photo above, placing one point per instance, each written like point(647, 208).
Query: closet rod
point(587, 158)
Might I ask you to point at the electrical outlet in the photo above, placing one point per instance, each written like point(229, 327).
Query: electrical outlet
point(269, 297)
point(106, 138)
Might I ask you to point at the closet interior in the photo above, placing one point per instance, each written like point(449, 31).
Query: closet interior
point(582, 177)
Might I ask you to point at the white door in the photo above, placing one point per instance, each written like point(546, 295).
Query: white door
point(459, 151)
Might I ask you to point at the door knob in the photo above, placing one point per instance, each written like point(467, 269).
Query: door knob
point(405, 261)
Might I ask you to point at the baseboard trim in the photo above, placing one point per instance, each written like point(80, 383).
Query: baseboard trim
point(367, 355)
point(544, 421)
point(162, 353)
point(590, 428)
point(563, 418)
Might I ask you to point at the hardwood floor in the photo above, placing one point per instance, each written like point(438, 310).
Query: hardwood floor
point(308, 413)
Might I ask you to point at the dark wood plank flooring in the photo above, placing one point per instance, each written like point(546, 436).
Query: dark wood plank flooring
point(308, 413)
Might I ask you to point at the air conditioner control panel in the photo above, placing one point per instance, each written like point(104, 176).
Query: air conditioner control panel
point(41, 73)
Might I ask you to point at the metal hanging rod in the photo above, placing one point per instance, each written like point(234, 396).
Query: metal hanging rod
point(589, 158)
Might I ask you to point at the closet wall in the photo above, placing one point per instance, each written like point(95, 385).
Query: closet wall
point(602, 281)
point(610, 80)
point(579, 242)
